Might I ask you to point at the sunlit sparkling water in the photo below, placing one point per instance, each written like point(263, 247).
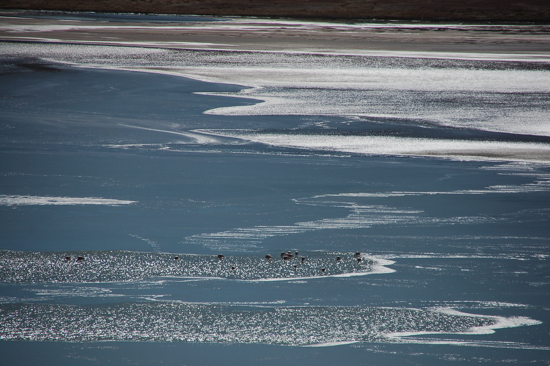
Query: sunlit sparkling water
point(214, 323)
point(24, 267)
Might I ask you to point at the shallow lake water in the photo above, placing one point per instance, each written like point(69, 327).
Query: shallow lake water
point(416, 214)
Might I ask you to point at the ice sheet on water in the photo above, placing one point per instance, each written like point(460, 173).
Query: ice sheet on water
point(482, 95)
point(391, 145)
point(19, 200)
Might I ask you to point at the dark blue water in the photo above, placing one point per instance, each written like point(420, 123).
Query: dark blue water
point(455, 252)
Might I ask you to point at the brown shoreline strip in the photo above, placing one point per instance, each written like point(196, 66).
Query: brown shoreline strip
point(455, 10)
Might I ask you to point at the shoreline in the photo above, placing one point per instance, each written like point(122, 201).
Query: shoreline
point(446, 10)
point(454, 41)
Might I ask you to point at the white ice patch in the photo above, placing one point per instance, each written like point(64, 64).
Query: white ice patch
point(542, 184)
point(195, 138)
point(401, 146)
point(477, 304)
point(16, 200)
point(74, 292)
point(360, 217)
point(331, 344)
point(500, 322)
point(403, 338)
point(154, 245)
point(369, 78)
point(453, 256)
